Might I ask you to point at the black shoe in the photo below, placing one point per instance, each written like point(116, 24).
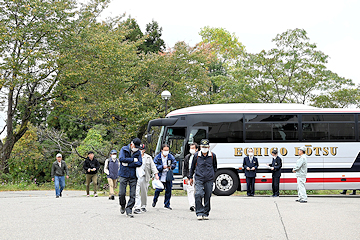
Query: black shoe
point(129, 215)
point(343, 192)
point(137, 211)
point(143, 210)
point(122, 210)
point(192, 208)
point(61, 194)
point(297, 200)
point(353, 193)
point(302, 201)
point(168, 208)
point(57, 196)
point(112, 197)
point(153, 204)
point(272, 196)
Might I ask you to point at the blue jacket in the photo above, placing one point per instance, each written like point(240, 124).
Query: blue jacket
point(127, 164)
point(253, 163)
point(204, 167)
point(159, 164)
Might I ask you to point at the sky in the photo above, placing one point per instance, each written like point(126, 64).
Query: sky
point(333, 25)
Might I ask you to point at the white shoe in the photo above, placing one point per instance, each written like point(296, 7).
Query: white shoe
point(199, 218)
point(95, 195)
point(88, 195)
point(205, 217)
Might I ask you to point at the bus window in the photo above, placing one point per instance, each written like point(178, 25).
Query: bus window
point(258, 131)
point(224, 132)
point(342, 131)
point(196, 135)
point(285, 131)
point(175, 138)
point(328, 117)
point(315, 131)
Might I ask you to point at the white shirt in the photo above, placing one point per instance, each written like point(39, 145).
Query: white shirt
point(164, 172)
point(59, 164)
point(190, 160)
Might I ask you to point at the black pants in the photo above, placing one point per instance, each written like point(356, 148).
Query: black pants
point(250, 185)
point(203, 191)
point(275, 185)
point(122, 192)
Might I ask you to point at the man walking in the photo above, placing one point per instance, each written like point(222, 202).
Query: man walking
point(204, 166)
point(186, 169)
point(275, 167)
point(58, 171)
point(165, 163)
point(147, 169)
point(301, 170)
point(130, 159)
point(91, 167)
point(112, 169)
point(250, 165)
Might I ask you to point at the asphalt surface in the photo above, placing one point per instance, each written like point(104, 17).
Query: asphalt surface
point(39, 215)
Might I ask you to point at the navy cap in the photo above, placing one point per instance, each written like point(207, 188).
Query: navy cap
point(113, 151)
point(136, 142)
point(204, 143)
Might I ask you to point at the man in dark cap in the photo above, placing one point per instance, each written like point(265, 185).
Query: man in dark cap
point(204, 166)
point(275, 168)
point(130, 159)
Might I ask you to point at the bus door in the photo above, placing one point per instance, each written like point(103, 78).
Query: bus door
point(175, 137)
point(196, 135)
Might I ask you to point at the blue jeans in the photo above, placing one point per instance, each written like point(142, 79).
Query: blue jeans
point(168, 187)
point(59, 180)
point(203, 190)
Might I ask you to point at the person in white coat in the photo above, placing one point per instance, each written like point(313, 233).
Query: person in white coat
point(301, 170)
point(186, 169)
point(144, 173)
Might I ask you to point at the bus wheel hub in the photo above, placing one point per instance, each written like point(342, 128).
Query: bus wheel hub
point(224, 182)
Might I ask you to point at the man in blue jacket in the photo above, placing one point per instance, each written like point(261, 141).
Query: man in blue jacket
point(130, 159)
point(165, 163)
point(250, 165)
point(204, 166)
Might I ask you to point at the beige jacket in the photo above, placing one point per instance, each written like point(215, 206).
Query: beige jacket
point(148, 166)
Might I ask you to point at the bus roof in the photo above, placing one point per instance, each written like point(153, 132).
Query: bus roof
point(257, 108)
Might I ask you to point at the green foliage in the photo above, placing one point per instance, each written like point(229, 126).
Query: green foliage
point(153, 42)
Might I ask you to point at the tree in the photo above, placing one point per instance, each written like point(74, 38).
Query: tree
point(294, 71)
point(153, 42)
point(34, 39)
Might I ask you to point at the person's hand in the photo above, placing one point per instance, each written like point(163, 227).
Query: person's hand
point(253, 168)
point(191, 181)
point(52, 179)
point(186, 181)
point(135, 159)
point(165, 166)
point(67, 176)
point(248, 168)
point(89, 169)
point(268, 165)
point(293, 171)
point(157, 177)
point(94, 169)
point(272, 168)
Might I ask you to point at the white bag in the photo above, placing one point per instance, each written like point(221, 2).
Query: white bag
point(157, 184)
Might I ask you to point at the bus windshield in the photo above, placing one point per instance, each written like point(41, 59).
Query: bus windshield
point(175, 138)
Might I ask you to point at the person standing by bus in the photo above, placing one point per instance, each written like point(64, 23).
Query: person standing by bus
point(275, 167)
point(165, 162)
point(301, 170)
point(130, 159)
point(186, 168)
point(250, 165)
point(204, 166)
point(148, 169)
point(111, 169)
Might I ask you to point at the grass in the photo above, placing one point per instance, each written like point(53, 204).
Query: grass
point(102, 192)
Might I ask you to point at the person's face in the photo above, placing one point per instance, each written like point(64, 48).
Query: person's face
point(91, 156)
point(300, 152)
point(142, 151)
point(274, 155)
point(165, 149)
point(193, 147)
point(250, 151)
point(59, 159)
point(132, 145)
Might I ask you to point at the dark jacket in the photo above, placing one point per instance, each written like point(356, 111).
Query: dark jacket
point(56, 170)
point(204, 167)
point(113, 168)
point(91, 164)
point(253, 163)
point(127, 164)
point(277, 164)
point(186, 167)
point(159, 164)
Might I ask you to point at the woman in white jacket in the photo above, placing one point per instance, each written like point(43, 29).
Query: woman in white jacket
point(144, 173)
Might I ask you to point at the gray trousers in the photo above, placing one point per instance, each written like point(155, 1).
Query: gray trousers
point(141, 193)
point(122, 192)
point(301, 188)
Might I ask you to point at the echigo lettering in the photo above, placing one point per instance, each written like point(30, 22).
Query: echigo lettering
point(310, 151)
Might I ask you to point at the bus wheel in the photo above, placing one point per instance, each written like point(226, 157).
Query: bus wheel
point(226, 182)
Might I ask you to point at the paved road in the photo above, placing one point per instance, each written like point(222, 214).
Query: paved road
point(39, 215)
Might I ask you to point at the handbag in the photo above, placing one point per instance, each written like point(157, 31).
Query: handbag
point(157, 184)
point(169, 176)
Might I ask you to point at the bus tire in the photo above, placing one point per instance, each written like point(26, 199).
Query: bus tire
point(226, 182)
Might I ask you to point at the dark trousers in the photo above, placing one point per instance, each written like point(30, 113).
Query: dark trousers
point(275, 185)
point(122, 192)
point(168, 188)
point(203, 190)
point(250, 185)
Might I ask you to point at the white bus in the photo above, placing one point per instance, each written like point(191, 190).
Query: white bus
point(331, 137)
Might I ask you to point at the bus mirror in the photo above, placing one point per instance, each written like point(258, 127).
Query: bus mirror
point(148, 137)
